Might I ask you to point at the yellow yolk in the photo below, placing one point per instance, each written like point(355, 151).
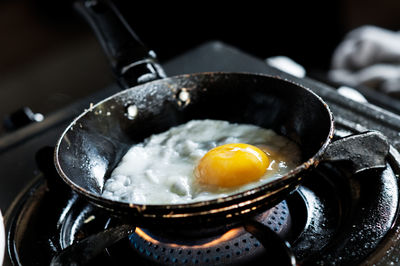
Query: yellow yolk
point(231, 165)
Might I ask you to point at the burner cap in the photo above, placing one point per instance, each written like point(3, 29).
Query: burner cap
point(228, 248)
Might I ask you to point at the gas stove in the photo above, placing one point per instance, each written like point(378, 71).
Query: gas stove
point(333, 218)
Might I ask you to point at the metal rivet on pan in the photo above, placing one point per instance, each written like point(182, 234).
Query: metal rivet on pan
point(131, 111)
point(183, 97)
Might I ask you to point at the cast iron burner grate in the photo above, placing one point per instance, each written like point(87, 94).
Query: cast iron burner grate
point(328, 220)
point(231, 247)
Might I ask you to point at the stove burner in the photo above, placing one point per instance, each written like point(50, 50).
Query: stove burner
point(228, 248)
point(332, 218)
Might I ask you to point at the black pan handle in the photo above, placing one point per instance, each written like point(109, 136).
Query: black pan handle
point(364, 151)
point(82, 252)
point(272, 242)
point(131, 62)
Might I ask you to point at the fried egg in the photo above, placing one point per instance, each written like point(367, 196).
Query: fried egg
point(200, 160)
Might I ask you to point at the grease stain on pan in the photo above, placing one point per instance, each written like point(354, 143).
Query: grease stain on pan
point(98, 111)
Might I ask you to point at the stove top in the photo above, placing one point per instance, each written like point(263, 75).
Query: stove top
point(333, 218)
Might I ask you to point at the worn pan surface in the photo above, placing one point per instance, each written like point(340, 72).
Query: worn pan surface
point(91, 147)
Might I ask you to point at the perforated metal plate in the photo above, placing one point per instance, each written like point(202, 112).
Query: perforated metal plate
point(231, 247)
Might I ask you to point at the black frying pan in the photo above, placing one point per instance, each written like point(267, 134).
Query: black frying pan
point(91, 147)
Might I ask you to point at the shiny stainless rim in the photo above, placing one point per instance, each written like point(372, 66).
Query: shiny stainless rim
point(2, 239)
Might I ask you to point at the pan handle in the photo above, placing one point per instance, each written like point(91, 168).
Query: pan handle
point(130, 60)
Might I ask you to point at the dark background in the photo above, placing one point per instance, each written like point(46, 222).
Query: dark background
point(49, 57)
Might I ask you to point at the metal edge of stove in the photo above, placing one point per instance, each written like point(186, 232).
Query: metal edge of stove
point(53, 120)
point(11, 217)
point(2, 239)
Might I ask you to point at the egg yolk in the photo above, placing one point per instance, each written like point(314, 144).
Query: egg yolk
point(231, 165)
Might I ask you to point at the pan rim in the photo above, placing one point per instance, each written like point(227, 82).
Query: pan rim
point(234, 198)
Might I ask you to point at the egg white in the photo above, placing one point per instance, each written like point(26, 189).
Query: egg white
point(160, 169)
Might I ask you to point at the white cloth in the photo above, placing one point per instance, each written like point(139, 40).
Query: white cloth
point(368, 56)
point(287, 65)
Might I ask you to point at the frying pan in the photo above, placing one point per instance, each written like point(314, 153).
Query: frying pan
point(93, 144)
